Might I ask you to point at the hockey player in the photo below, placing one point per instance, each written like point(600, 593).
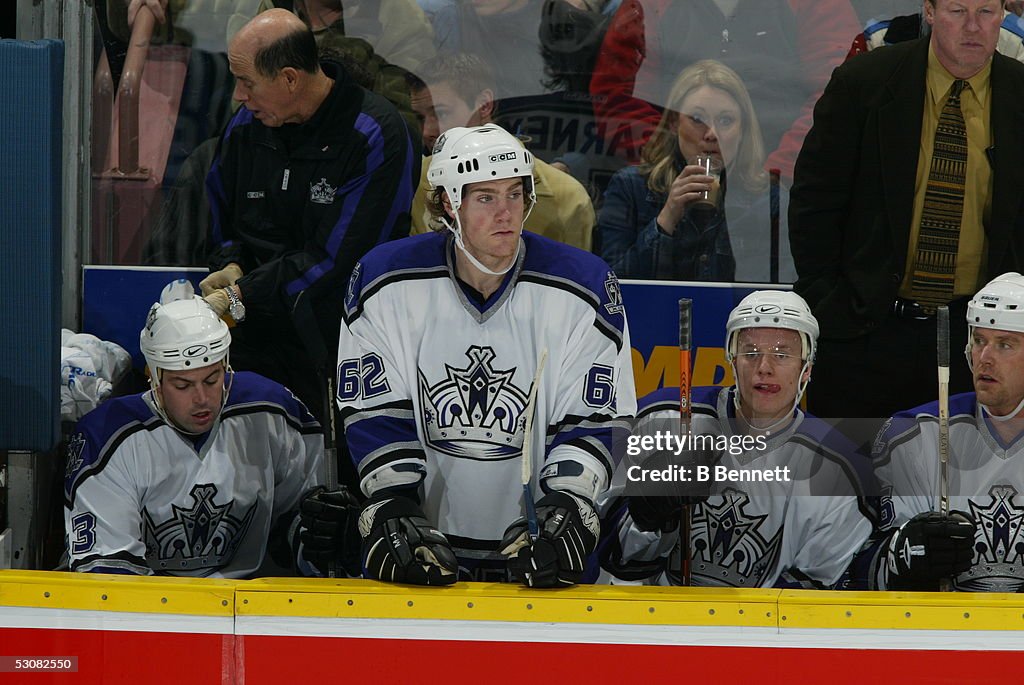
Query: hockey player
point(800, 529)
point(440, 351)
point(978, 546)
point(197, 475)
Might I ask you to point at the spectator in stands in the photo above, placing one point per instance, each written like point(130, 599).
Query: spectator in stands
point(559, 126)
point(784, 50)
point(649, 226)
point(910, 26)
point(311, 173)
point(503, 33)
point(206, 26)
point(397, 30)
point(460, 92)
point(893, 213)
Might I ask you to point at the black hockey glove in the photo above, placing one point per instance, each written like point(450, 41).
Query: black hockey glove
point(659, 506)
point(399, 546)
point(930, 547)
point(328, 530)
point(569, 530)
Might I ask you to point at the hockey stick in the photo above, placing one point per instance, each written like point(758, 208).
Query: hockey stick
point(773, 209)
point(305, 324)
point(942, 352)
point(527, 474)
point(685, 417)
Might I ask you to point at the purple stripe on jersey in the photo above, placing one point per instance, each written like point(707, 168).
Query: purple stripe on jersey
point(369, 435)
point(353, 192)
point(403, 198)
point(214, 180)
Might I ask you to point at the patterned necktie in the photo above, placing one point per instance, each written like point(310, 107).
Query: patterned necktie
point(938, 239)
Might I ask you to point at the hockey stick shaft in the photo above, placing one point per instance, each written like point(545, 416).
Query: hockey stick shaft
point(305, 323)
point(685, 418)
point(773, 209)
point(942, 354)
point(527, 464)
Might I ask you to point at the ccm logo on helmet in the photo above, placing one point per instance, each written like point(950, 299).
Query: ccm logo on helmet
point(503, 157)
point(767, 309)
point(194, 351)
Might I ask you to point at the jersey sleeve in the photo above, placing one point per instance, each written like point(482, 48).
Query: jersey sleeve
point(906, 483)
point(593, 403)
point(831, 532)
point(374, 396)
point(102, 516)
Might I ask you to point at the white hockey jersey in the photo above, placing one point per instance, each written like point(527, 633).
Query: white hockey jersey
point(144, 498)
point(799, 532)
point(433, 385)
point(986, 482)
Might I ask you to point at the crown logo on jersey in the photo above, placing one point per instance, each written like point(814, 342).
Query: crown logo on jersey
point(322, 193)
point(204, 536)
point(998, 545)
point(728, 546)
point(476, 411)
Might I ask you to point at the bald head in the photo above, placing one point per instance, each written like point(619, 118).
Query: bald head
point(277, 74)
point(276, 39)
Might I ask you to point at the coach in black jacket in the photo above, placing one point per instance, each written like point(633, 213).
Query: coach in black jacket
point(852, 206)
point(311, 173)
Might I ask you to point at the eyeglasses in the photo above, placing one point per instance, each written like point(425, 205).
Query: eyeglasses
point(774, 356)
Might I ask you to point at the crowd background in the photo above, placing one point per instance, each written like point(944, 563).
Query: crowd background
point(585, 84)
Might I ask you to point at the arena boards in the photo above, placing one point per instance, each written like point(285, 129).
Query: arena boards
point(162, 630)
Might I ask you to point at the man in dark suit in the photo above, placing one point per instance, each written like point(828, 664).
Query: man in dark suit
point(859, 193)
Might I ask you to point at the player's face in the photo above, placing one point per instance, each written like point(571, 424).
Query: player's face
point(710, 122)
point(271, 100)
point(998, 361)
point(964, 33)
point(423, 107)
point(492, 220)
point(768, 372)
point(450, 109)
point(193, 398)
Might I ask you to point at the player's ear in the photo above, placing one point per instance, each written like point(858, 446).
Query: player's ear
point(805, 377)
point(447, 204)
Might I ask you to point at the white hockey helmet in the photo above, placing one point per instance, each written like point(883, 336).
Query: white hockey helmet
point(999, 304)
point(464, 155)
point(773, 309)
point(183, 334)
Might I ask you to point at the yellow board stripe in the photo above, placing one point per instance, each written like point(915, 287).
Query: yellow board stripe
point(602, 604)
point(101, 592)
point(901, 610)
point(599, 604)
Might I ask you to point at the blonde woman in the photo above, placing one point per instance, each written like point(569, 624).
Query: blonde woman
point(648, 227)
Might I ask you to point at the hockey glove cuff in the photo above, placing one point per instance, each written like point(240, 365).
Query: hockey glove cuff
point(399, 546)
point(569, 530)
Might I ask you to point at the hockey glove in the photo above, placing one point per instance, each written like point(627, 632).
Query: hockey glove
point(930, 547)
point(328, 531)
point(399, 546)
point(569, 530)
